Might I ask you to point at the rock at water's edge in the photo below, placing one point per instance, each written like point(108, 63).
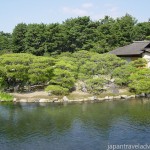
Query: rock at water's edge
point(65, 99)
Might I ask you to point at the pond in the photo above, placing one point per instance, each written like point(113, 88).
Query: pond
point(84, 126)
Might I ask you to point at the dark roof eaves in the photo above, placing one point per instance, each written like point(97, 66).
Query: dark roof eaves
point(120, 51)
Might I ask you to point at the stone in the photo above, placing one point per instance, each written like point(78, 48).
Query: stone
point(92, 98)
point(106, 97)
point(142, 95)
point(111, 97)
point(55, 99)
point(113, 88)
point(84, 89)
point(80, 100)
point(101, 99)
point(23, 100)
point(85, 99)
point(112, 80)
point(34, 100)
point(65, 99)
point(131, 96)
point(50, 100)
point(58, 101)
point(43, 100)
point(49, 93)
point(124, 97)
point(137, 95)
point(148, 95)
point(15, 99)
point(117, 97)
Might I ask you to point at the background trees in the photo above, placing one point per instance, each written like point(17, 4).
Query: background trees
point(73, 52)
point(5, 42)
point(142, 31)
point(74, 34)
point(18, 38)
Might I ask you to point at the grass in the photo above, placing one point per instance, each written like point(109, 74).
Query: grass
point(6, 97)
point(80, 95)
point(111, 94)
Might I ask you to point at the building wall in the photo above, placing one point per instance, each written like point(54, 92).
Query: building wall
point(134, 58)
point(128, 59)
point(147, 57)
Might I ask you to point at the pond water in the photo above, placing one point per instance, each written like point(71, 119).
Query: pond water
point(74, 126)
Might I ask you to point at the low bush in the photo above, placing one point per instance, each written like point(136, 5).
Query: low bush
point(57, 90)
point(5, 97)
point(139, 63)
point(122, 74)
point(140, 81)
point(96, 85)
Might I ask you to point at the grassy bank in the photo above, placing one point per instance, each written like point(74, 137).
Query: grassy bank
point(5, 97)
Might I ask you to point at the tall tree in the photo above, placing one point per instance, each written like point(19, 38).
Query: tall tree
point(18, 38)
point(142, 31)
point(5, 42)
point(35, 39)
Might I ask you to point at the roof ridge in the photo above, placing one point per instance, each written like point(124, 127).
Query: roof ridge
point(135, 48)
point(145, 41)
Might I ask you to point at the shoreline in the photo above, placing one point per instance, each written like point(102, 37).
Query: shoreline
point(79, 97)
point(76, 97)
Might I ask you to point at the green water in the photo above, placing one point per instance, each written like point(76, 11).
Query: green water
point(74, 126)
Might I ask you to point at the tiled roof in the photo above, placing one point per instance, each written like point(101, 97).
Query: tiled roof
point(136, 48)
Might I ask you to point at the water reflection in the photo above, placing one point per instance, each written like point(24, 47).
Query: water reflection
point(74, 126)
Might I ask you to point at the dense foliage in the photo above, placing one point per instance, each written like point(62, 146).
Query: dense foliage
point(140, 81)
point(73, 35)
point(122, 74)
point(59, 74)
point(20, 71)
point(134, 75)
point(5, 42)
point(57, 56)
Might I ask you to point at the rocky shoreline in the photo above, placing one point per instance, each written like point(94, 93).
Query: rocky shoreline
point(43, 97)
point(66, 99)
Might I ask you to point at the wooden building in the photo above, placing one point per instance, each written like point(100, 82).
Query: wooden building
point(138, 49)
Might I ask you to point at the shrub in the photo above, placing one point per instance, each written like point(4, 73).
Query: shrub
point(96, 85)
point(122, 74)
point(23, 69)
point(6, 96)
point(139, 63)
point(140, 81)
point(147, 37)
point(57, 90)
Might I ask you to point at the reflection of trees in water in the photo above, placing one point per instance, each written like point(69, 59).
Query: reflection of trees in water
point(22, 120)
point(136, 110)
point(43, 120)
point(140, 112)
